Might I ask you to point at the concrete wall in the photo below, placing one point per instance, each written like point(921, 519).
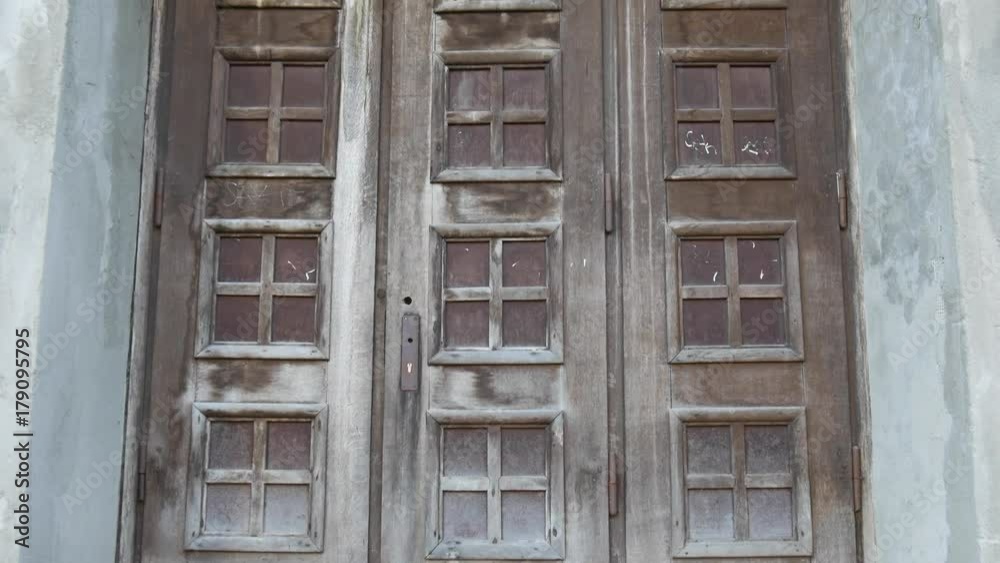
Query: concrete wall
point(72, 82)
point(923, 78)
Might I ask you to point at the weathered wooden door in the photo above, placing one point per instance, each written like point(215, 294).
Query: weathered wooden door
point(736, 405)
point(495, 437)
point(260, 390)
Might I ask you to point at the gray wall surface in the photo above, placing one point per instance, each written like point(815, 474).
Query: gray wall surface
point(75, 78)
point(926, 205)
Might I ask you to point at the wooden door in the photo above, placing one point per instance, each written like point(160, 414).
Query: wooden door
point(736, 403)
point(257, 445)
point(495, 439)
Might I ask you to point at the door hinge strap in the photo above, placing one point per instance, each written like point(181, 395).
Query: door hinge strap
point(158, 198)
point(842, 198)
point(612, 484)
point(856, 476)
point(609, 203)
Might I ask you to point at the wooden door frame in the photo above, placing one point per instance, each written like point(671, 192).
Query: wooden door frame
point(144, 292)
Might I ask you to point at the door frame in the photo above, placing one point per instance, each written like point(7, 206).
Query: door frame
point(376, 46)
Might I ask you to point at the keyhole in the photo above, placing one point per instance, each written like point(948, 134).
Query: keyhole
point(409, 341)
point(407, 300)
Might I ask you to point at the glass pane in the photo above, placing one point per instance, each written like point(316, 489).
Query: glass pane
point(751, 87)
point(524, 88)
point(302, 141)
point(524, 144)
point(246, 140)
point(768, 449)
point(467, 324)
point(239, 259)
point(249, 86)
point(468, 89)
point(293, 319)
point(770, 514)
point(697, 87)
point(523, 516)
point(699, 144)
point(465, 452)
point(522, 451)
point(703, 262)
point(304, 86)
point(236, 318)
point(286, 509)
point(469, 146)
point(763, 321)
point(227, 509)
point(524, 264)
point(706, 322)
point(467, 264)
point(230, 445)
point(756, 143)
point(464, 516)
point(525, 324)
point(709, 450)
point(710, 514)
point(296, 260)
point(289, 445)
point(760, 261)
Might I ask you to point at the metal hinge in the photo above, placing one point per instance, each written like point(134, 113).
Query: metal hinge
point(613, 484)
point(609, 203)
point(140, 485)
point(842, 198)
point(856, 476)
point(158, 198)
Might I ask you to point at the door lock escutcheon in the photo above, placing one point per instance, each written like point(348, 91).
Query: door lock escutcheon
point(409, 353)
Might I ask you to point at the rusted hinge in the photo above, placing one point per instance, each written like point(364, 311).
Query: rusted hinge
point(609, 203)
point(842, 198)
point(612, 484)
point(158, 198)
point(856, 476)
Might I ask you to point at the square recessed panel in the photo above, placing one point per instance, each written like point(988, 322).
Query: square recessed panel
point(699, 144)
point(304, 86)
point(230, 445)
point(464, 516)
point(239, 259)
point(467, 324)
point(523, 451)
point(227, 509)
point(752, 87)
point(710, 514)
point(756, 143)
point(465, 452)
point(524, 144)
point(249, 86)
point(246, 140)
point(469, 146)
point(760, 261)
point(236, 318)
point(523, 516)
point(705, 322)
point(296, 260)
point(293, 319)
point(769, 449)
point(469, 89)
point(467, 264)
point(524, 264)
point(703, 262)
point(286, 510)
point(709, 450)
point(763, 322)
point(289, 445)
point(525, 324)
point(301, 142)
point(771, 514)
point(524, 88)
point(697, 87)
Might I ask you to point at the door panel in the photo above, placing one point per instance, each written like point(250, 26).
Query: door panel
point(496, 241)
point(737, 413)
point(258, 439)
